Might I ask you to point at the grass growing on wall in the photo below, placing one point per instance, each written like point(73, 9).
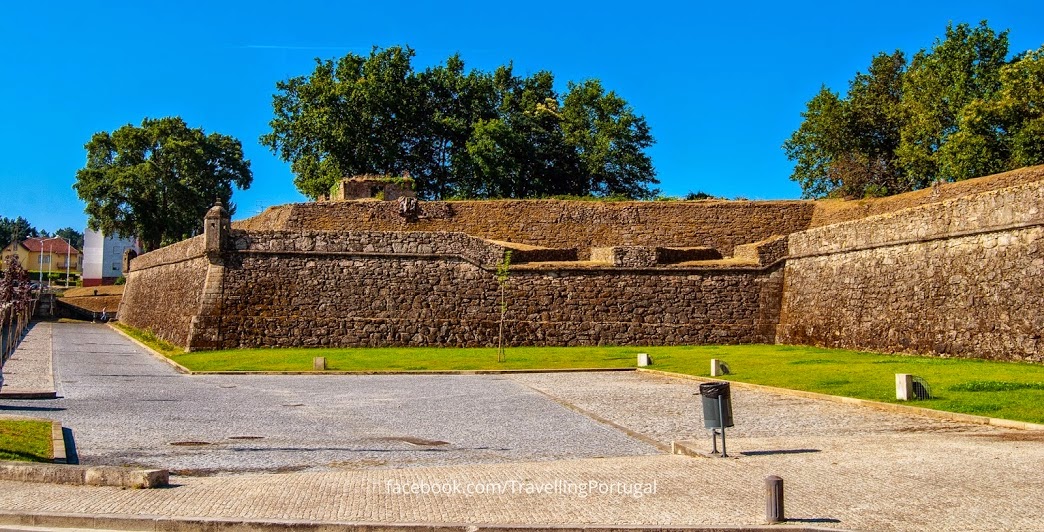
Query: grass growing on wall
point(25, 440)
point(995, 389)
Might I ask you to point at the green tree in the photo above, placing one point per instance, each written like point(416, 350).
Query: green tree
point(72, 236)
point(355, 116)
point(1004, 130)
point(958, 110)
point(453, 102)
point(15, 230)
point(959, 69)
point(523, 152)
point(458, 133)
point(156, 181)
point(610, 140)
point(846, 146)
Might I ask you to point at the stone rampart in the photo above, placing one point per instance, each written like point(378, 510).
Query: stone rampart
point(165, 289)
point(960, 276)
point(321, 298)
point(963, 277)
point(836, 211)
point(557, 224)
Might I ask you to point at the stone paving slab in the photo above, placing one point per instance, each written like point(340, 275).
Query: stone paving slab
point(849, 485)
point(28, 373)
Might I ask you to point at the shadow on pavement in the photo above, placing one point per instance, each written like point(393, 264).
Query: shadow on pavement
point(779, 451)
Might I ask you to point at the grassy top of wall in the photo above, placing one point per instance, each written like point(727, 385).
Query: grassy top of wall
point(1006, 207)
point(829, 212)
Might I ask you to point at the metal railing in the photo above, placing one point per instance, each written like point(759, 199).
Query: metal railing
point(14, 323)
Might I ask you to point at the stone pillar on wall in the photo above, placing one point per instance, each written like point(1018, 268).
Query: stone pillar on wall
point(216, 228)
point(205, 329)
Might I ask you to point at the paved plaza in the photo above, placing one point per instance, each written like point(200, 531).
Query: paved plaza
point(562, 448)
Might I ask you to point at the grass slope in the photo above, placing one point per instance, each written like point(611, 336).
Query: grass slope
point(26, 441)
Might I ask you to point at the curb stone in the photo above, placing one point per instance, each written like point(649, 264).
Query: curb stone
point(178, 367)
point(58, 455)
point(120, 477)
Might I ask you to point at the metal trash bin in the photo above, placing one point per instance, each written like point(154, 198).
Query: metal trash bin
point(710, 393)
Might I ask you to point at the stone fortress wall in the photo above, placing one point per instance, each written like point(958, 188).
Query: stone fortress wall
point(963, 276)
point(375, 273)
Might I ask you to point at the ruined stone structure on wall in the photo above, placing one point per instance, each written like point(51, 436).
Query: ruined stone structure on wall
point(372, 187)
point(954, 270)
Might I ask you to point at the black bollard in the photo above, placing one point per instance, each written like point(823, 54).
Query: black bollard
point(774, 499)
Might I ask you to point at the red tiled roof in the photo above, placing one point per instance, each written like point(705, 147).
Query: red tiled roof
point(52, 245)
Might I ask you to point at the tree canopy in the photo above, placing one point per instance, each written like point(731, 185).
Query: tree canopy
point(72, 236)
point(959, 110)
point(458, 133)
point(15, 230)
point(155, 182)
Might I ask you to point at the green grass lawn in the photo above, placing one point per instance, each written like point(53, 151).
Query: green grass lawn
point(1006, 390)
point(26, 441)
point(408, 359)
point(994, 389)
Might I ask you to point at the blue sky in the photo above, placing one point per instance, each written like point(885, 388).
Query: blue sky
point(721, 84)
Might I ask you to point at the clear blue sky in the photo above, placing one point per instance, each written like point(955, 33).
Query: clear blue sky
point(722, 84)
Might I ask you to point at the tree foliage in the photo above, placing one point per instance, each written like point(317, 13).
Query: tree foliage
point(458, 133)
point(15, 230)
point(958, 110)
point(72, 236)
point(155, 182)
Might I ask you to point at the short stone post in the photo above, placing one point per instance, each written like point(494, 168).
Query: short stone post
point(319, 363)
point(716, 368)
point(774, 499)
point(644, 360)
point(904, 387)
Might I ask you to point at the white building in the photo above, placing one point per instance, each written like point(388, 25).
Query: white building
point(103, 257)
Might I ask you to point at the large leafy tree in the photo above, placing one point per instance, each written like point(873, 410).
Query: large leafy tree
point(956, 111)
point(846, 146)
point(458, 133)
point(155, 182)
point(959, 69)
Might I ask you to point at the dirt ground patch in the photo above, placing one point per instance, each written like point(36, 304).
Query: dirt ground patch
point(109, 303)
point(95, 291)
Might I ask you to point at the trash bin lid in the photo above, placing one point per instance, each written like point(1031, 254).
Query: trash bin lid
point(713, 390)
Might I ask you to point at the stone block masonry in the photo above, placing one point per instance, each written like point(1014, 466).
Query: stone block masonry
point(964, 277)
point(432, 289)
point(164, 290)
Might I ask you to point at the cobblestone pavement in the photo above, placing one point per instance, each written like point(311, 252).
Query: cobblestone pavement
point(125, 407)
point(29, 368)
point(843, 466)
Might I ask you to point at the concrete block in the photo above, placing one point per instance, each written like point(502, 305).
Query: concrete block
point(904, 387)
point(80, 475)
point(319, 363)
point(715, 368)
point(644, 360)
